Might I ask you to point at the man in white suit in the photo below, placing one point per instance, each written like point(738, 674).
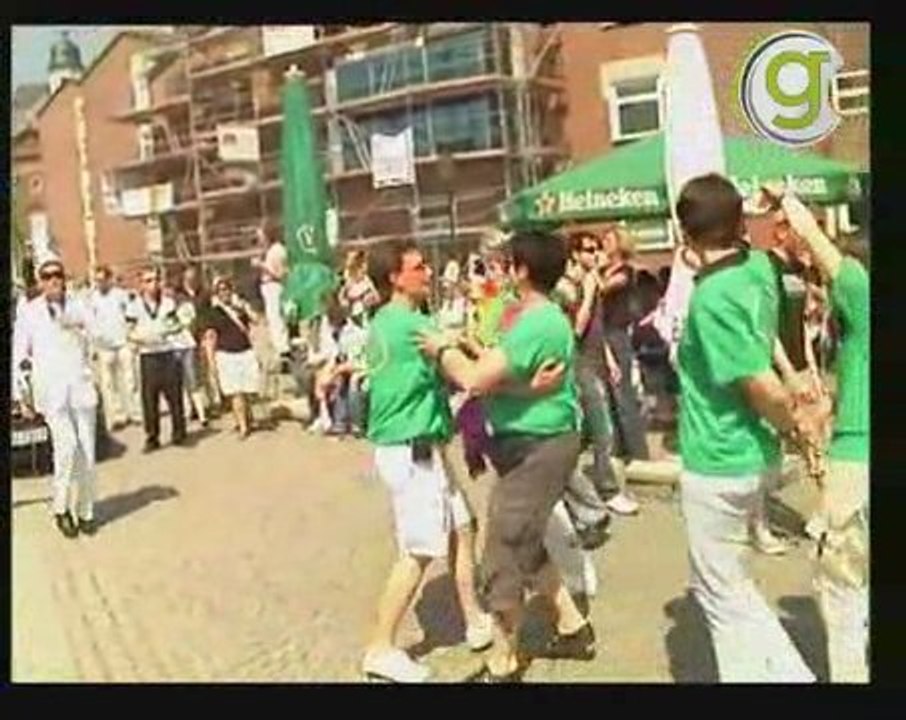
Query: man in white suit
point(51, 343)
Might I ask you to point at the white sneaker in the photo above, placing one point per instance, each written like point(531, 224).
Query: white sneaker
point(768, 543)
point(816, 527)
point(320, 426)
point(480, 634)
point(622, 504)
point(394, 666)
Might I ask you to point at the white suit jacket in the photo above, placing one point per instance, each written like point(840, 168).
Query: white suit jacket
point(61, 373)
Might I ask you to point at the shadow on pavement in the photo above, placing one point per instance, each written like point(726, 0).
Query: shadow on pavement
point(193, 438)
point(31, 501)
point(109, 448)
point(688, 643)
point(439, 616)
point(801, 618)
point(117, 506)
point(785, 519)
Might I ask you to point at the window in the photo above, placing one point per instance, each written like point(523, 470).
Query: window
point(635, 107)
point(353, 80)
point(651, 234)
point(850, 91)
point(459, 56)
point(465, 125)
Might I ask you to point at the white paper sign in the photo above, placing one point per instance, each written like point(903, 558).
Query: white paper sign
point(238, 143)
point(279, 39)
point(393, 159)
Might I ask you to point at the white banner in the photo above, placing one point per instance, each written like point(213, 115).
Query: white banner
point(393, 159)
point(238, 143)
point(279, 39)
point(137, 202)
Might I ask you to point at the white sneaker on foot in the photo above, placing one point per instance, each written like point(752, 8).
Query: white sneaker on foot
point(816, 527)
point(395, 666)
point(767, 543)
point(480, 634)
point(622, 504)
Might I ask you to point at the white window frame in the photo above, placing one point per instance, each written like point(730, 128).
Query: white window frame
point(614, 103)
point(838, 94)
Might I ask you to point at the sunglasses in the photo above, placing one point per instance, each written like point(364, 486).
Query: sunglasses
point(52, 275)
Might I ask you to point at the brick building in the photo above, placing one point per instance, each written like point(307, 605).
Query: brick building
point(61, 157)
point(612, 73)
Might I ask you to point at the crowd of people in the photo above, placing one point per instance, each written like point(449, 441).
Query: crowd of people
point(542, 354)
point(532, 350)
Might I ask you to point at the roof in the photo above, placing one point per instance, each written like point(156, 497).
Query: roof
point(152, 36)
point(25, 99)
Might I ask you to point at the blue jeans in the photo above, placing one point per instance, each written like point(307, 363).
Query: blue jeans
point(630, 439)
point(349, 405)
point(595, 407)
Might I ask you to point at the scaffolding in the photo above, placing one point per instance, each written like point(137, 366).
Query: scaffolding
point(416, 74)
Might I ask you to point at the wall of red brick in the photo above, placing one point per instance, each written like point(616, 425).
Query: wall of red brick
point(56, 126)
point(119, 241)
point(586, 48)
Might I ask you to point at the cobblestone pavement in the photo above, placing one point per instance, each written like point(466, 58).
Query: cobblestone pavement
point(261, 560)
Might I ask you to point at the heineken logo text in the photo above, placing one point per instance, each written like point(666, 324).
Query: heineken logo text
point(587, 200)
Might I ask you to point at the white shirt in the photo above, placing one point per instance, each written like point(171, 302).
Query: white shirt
point(274, 264)
point(155, 326)
point(109, 310)
point(55, 340)
point(353, 339)
point(183, 340)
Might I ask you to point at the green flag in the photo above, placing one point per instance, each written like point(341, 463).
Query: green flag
point(310, 277)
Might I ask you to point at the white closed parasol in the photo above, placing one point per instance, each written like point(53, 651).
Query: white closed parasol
point(694, 147)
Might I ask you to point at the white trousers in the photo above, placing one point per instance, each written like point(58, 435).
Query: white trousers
point(749, 642)
point(72, 432)
point(118, 384)
point(572, 561)
point(279, 334)
point(842, 571)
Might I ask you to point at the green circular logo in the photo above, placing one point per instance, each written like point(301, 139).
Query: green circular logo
point(785, 88)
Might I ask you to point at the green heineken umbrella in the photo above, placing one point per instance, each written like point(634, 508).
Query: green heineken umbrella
point(310, 275)
point(629, 182)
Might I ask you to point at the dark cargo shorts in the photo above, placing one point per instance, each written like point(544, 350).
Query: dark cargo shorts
point(533, 472)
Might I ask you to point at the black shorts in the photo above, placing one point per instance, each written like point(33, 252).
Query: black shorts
point(533, 475)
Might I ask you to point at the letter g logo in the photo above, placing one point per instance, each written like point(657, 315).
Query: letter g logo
point(785, 86)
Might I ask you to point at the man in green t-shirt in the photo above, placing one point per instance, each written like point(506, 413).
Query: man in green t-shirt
point(409, 423)
point(534, 448)
point(843, 557)
point(731, 406)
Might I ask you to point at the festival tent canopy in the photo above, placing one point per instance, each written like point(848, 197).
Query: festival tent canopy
point(629, 183)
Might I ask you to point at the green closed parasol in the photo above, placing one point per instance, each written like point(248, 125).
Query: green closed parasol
point(310, 277)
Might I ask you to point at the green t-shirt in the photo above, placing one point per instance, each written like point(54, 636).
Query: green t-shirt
point(407, 395)
point(849, 297)
point(490, 313)
point(729, 335)
point(541, 333)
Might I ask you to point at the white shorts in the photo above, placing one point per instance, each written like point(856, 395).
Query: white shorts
point(426, 503)
point(238, 372)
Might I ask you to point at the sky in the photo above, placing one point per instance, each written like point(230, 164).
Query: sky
point(31, 47)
